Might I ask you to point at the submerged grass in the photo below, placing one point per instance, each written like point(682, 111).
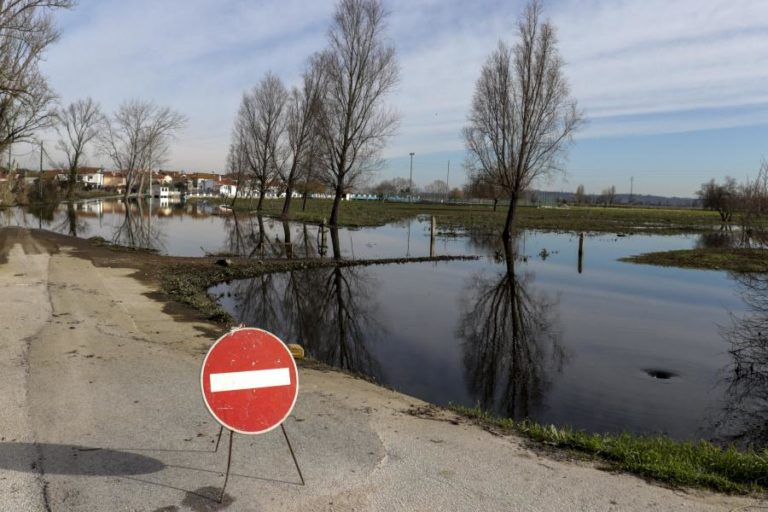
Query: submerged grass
point(695, 464)
point(482, 218)
point(735, 260)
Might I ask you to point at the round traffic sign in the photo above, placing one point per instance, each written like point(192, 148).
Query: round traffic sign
point(249, 381)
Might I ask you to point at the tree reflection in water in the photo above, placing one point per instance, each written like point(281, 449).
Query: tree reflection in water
point(71, 224)
point(137, 230)
point(329, 311)
point(247, 236)
point(509, 341)
point(745, 415)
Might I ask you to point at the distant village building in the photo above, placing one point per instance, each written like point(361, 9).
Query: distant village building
point(90, 177)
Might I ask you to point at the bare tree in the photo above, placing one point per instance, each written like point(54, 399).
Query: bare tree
point(138, 137)
point(721, 198)
point(609, 195)
point(237, 164)
point(438, 189)
point(479, 187)
point(301, 127)
point(26, 30)
point(360, 68)
point(580, 196)
point(522, 116)
point(753, 203)
point(261, 123)
point(78, 125)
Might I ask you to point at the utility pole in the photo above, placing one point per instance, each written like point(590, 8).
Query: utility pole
point(631, 188)
point(410, 181)
point(447, 182)
point(40, 177)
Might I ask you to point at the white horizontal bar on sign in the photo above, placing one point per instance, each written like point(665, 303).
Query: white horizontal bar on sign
point(254, 379)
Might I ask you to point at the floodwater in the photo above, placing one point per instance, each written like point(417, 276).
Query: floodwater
point(617, 347)
point(195, 229)
point(604, 346)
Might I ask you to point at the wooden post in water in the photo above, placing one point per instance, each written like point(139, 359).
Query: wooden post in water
point(432, 232)
point(581, 251)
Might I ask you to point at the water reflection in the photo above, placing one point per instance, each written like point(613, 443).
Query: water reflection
point(745, 418)
point(137, 229)
point(331, 312)
point(199, 228)
point(727, 238)
point(722, 239)
point(509, 340)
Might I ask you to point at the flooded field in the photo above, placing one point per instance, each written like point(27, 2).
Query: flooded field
point(197, 229)
point(603, 346)
point(616, 347)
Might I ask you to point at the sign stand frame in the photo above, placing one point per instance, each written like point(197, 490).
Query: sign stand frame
point(235, 385)
point(229, 458)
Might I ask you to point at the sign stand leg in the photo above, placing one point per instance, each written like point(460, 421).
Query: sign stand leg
point(229, 463)
point(292, 454)
point(218, 438)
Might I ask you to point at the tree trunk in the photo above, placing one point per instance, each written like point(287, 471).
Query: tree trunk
point(261, 199)
point(335, 242)
point(304, 201)
point(506, 235)
point(234, 198)
point(287, 240)
point(495, 203)
point(288, 195)
point(71, 184)
point(334, 221)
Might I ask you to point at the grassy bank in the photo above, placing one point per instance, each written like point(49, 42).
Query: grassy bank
point(736, 260)
point(699, 464)
point(480, 218)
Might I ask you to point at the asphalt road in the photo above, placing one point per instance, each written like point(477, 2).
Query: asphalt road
point(101, 411)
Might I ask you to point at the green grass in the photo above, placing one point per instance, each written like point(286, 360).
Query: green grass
point(736, 260)
point(483, 219)
point(695, 464)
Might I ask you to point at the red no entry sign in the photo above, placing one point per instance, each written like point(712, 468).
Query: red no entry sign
point(249, 381)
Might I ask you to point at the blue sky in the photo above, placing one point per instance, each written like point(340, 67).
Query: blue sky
point(675, 92)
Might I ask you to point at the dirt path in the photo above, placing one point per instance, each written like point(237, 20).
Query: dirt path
point(101, 411)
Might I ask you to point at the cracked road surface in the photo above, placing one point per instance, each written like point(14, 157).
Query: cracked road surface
point(101, 412)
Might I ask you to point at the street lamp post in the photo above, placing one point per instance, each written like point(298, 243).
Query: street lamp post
point(410, 181)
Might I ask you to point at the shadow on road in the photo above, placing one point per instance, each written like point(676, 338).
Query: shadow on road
point(64, 459)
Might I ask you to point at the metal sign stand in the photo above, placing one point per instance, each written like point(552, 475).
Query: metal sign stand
point(229, 457)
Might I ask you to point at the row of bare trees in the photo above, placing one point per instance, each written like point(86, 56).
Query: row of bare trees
point(332, 127)
point(135, 138)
